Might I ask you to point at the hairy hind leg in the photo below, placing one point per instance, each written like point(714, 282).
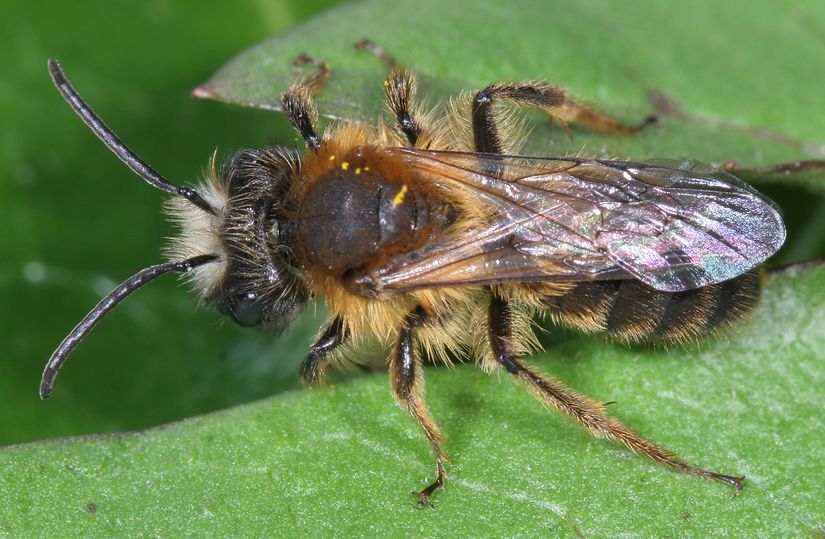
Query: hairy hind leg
point(585, 411)
point(551, 99)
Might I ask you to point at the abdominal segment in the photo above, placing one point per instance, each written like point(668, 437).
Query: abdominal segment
point(631, 311)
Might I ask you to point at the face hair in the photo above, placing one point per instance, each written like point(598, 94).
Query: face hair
point(108, 303)
point(140, 167)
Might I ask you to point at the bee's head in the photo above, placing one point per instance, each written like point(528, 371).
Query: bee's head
point(253, 280)
point(233, 243)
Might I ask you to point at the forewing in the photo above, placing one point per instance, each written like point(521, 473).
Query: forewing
point(672, 225)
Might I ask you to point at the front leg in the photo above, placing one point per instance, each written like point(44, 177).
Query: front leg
point(298, 105)
point(320, 354)
point(407, 381)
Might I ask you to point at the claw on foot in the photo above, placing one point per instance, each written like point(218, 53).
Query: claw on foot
point(425, 496)
point(736, 482)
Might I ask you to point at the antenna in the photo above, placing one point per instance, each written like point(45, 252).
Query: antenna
point(108, 303)
point(138, 166)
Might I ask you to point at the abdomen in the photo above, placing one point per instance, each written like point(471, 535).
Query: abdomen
point(631, 311)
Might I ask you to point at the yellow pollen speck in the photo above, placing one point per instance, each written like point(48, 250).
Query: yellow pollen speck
point(332, 158)
point(366, 169)
point(399, 198)
point(344, 166)
point(386, 83)
point(358, 171)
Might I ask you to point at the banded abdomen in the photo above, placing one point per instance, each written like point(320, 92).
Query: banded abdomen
point(631, 311)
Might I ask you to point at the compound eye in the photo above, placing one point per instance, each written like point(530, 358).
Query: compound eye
point(246, 309)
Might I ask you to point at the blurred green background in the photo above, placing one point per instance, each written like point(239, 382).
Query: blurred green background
point(75, 221)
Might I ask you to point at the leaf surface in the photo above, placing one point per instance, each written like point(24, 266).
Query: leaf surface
point(741, 82)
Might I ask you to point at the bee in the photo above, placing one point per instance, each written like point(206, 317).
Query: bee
point(433, 237)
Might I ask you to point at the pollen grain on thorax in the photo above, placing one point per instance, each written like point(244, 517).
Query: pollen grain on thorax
point(345, 165)
point(399, 197)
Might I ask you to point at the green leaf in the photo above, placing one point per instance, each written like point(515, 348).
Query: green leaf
point(722, 95)
point(342, 460)
point(726, 94)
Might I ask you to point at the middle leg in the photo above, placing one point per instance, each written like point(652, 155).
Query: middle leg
point(407, 380)
point(399, 92)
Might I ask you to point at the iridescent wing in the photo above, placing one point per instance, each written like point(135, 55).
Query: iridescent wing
point(672, 225)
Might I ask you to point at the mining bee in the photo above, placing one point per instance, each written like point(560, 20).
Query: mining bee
point(433, 238)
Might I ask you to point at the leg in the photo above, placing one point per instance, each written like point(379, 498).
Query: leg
point(314, 81)
point(380, 53)
point(318, 359)
point(408, 386)
point(297, 103)
point(551, 99)
point(588, 413)
point(400, 90)
point(781, 168)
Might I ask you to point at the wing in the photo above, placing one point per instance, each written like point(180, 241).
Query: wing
point(672, 225)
